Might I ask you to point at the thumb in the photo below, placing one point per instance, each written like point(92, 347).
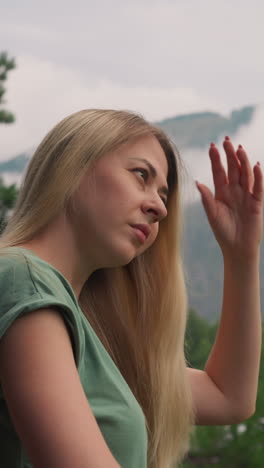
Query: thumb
point(207, 200)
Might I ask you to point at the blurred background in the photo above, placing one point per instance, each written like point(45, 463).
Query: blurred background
point(196, 68)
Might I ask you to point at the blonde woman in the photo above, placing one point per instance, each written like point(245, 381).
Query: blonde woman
point(93, 300)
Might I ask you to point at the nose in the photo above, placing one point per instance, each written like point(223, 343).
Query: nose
point(155, 208)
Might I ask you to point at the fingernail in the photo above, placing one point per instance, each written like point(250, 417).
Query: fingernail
point(258, 163)
point(212, 144)
point(227, 138)
point(240, 146)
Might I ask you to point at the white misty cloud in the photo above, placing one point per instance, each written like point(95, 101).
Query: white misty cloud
point(251, 137)
point(158, 57)
point(40, 93)
point(198, 164)
point(212, 47)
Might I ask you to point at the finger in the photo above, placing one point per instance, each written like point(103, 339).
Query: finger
point(208, 200)
point(218, 170)
point(233, 163)
point(247, 176)
point(258, 183)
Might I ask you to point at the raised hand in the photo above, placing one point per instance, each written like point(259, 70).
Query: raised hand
point(235, 212)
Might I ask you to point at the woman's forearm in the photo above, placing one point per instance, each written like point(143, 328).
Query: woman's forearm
point(233, 364)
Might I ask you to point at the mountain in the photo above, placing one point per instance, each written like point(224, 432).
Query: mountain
point(188, 131)
point(199, 129)
point(11, 171)
point(16, 164)
point(203, 262)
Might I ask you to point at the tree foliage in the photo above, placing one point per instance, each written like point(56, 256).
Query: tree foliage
point(235, 446)
point(6, 64)
point(8, 196)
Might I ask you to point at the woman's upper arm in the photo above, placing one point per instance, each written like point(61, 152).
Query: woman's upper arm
point(211, 405)
point(45, 397)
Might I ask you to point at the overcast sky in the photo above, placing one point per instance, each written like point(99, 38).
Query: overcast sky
point(158, 57)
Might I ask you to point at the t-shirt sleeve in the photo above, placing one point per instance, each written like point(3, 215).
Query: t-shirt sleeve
point(21, 292)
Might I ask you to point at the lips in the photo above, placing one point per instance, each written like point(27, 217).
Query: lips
point(144, 228)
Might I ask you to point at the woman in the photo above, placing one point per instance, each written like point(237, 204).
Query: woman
point(93, 301)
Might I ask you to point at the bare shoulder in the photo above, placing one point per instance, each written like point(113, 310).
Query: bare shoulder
point(45, 397)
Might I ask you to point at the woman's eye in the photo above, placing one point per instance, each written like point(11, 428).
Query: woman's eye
point(143, 172)
point(144, 175)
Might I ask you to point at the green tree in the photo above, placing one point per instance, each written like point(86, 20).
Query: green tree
point(8, 196)
point(6, 64)
point(199, 338)
point(235, 446)
point(246, 448)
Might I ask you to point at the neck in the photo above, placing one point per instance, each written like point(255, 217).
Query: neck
point(57, 246)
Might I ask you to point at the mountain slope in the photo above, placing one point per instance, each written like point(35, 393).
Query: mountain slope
point(203, 263)
point(198, 130)
point(188, 131)
point(16, 164)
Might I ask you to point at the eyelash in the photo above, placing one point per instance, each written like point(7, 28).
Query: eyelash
point(145, 178)
point(144, 171)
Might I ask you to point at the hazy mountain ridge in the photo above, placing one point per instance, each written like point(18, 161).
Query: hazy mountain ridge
point(16, 164)
point(195, 130)
point(204, 264)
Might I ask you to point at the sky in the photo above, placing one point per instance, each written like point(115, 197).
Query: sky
point(158, 57)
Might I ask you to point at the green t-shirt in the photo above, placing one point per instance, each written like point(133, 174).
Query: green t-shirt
point(28, 283)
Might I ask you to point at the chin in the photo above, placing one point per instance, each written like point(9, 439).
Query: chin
point(110, 259)
point(132, 257)
point(121, 253)
point(121, 258)
point(125, 260)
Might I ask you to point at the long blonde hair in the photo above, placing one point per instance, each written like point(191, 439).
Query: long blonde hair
point(144, 327)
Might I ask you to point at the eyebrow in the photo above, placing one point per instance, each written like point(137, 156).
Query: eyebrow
point(153, 172)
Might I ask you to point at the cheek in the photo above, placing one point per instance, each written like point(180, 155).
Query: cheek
point(104, 197)
point(151, 239)
point(153, 235)
point(154, 232)
point(111, 190)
